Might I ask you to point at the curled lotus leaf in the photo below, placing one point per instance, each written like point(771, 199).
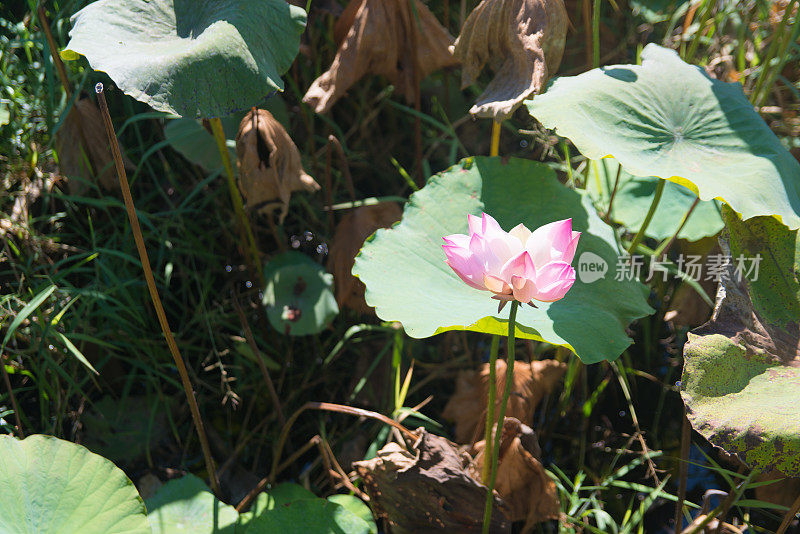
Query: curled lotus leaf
point(522, 41)
point(741, 376)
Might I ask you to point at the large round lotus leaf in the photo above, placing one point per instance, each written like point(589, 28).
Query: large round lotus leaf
point(741, 376)
point(186, 504)
point(195, 58)
point(309, 516)
point(299, 295)
point(408, 280)
point(58, 487)
point(634, 196)
point(669, 119)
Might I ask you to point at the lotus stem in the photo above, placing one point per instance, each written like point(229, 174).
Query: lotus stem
point(494, 148)
point(664, 247)
point(683, 472)
point(246, 233)
point(498, 432)
point(492, 394)
point(649, 217)
point(596, 34)
point(151, 286)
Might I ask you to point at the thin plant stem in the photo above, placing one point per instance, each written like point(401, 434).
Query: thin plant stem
point(683, 472)
point(252, 254)
point(596, 34)
point(790, 513)
point(498, 432)
point(613, 193)
point(770, 55)
point(707, 8)
point(492, 395)
point(782, 56)
point(664, 247)
point(649, 217)
point(494, 147)
point(14, 405)
point(151, 286)
point(330, 407)
point(44, 23)
point(251, 341)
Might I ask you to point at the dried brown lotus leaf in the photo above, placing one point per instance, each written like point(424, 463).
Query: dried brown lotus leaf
point(351, 232)
point(270, 169)
point(381, 40)
point(84, 123)
point(522, 41)
point(427, 489)
point(531, 383)
point(783, 492)
point(527, 492)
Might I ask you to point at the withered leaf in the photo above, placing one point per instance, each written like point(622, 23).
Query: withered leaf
point(382, 37)
point(532, 381)
point(527, 492)
point(521, 40)
point(351, 232)
point(81, 139)
point(783, 492)
point(427, 490)
point(270, 169)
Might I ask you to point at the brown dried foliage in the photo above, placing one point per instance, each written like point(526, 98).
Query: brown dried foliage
point(427, 489)
point(467, 406)
point(528, 493)
point(351, 232)
point(522, 41)
point(270, 169)
point(80, 140)
point(383, 37)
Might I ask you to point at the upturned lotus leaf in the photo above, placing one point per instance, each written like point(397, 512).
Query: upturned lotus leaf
point(669, 119)
point(194, 58)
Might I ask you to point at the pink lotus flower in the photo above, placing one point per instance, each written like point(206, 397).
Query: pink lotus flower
point(517, 265)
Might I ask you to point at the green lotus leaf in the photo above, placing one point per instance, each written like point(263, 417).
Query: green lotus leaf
point(669, 119)
point(194, 58)
point(196, 144)
point(309, 516)
point(299, 295)
point(633, 198)
point(54, 486)
point(408, 280)
point(355, 505)
point(186, 504)
point(741, 376)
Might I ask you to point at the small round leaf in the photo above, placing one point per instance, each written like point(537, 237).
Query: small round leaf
point(299, 295)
